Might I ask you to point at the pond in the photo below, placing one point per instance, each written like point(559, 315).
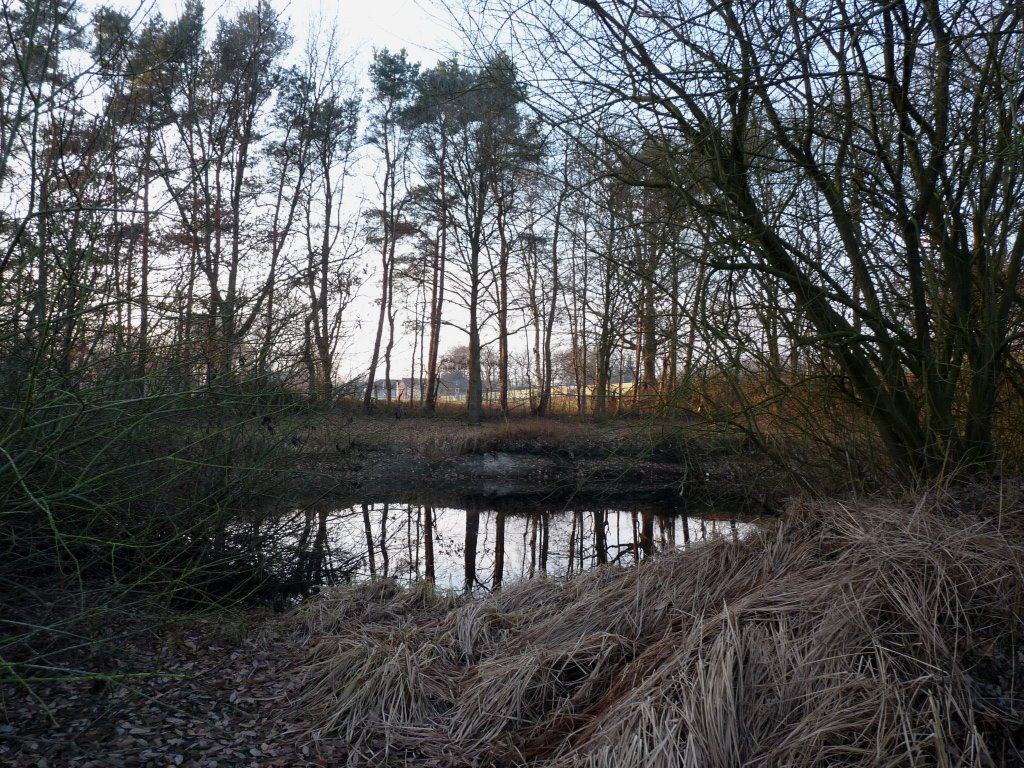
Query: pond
point(469, 546)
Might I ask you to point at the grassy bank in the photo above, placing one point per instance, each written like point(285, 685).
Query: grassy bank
point(869, 634)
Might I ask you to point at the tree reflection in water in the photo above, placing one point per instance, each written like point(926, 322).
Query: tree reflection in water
point(472, 550)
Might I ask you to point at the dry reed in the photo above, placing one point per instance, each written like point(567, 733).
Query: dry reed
point(865, 635)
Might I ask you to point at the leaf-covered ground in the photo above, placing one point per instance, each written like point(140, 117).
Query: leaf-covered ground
point(212, 698)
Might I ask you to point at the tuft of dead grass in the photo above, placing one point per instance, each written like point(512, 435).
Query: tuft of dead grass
point(858, 634)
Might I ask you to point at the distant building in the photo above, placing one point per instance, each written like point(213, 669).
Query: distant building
point(453, 385)
point(450, 386)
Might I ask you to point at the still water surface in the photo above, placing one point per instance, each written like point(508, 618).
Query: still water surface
point(469, 548)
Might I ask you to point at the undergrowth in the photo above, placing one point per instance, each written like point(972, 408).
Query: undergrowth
point(114, 505)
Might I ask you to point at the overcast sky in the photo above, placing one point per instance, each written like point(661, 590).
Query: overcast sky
point(423, 27)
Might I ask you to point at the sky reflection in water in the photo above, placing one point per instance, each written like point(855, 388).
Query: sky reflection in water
point(480, 549)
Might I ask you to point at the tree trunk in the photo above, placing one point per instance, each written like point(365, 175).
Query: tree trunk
point(469, 562)
point(545, 394)
point(499, 550)
point(437, 284)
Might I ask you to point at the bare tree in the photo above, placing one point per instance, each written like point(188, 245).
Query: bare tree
point(319, 112)
point(894, 126)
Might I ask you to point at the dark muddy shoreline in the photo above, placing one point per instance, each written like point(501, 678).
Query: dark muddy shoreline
point(533, 461)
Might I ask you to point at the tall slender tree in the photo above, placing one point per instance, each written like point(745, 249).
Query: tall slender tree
point(488, 140)
point(318, 111)
point(393, 82)
point(436, 116)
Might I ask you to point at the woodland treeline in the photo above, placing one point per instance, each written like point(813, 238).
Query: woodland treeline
point(793, 219)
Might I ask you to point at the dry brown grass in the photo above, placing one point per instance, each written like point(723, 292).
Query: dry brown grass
point(516, 435)
point(866, 635)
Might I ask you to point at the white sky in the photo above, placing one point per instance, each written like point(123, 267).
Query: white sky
point(423, 27)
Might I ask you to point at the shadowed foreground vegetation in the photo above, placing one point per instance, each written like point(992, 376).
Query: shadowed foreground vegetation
point(868, 634)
